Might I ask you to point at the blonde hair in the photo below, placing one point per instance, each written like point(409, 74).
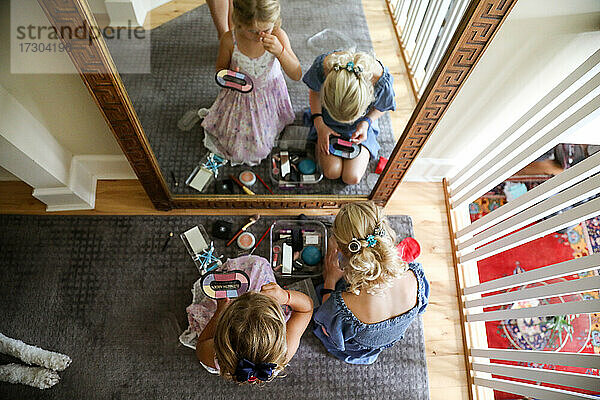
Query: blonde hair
point(247, 12)
point(372, 268)
point(251, 327)
point(347, 95)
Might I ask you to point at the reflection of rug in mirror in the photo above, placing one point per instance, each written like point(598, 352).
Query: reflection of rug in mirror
point(100, 289)
point(187, 47)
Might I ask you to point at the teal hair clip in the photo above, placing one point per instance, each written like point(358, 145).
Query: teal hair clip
point(371, 241)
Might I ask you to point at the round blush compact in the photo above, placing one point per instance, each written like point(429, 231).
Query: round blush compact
point(248, 178)
point(246, 240)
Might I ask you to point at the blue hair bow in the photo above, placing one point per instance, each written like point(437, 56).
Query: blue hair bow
point(246, 370)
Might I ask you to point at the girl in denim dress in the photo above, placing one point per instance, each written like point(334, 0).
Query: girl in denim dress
point(370, 296)
point(348, 93)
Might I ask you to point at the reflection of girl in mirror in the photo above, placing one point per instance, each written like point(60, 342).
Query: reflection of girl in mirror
point(348, 92)
point(243, 126)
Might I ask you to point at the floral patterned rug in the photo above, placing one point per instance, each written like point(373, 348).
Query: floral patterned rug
point(535, 333)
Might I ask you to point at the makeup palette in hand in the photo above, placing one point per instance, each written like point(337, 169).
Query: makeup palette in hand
point(343, 148)
point(234, 80)
point(220, 285)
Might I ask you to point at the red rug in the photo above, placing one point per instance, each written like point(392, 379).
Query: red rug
point(533, 333)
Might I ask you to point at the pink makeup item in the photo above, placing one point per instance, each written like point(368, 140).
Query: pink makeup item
point(220, 285)
point(248, 178)
point(343, 148)
point(275, 169)
point(246, 241)
point(234, 80)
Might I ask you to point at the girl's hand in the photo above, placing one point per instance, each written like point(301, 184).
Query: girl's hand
point(275, 291)
point(332, 272)
point(271, 44)
point(323, 134)
point(223, 303)
point(360, 134)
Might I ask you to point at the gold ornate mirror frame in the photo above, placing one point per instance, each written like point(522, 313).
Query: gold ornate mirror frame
point(94, 63)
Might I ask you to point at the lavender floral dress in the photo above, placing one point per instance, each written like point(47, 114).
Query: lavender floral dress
point(203, 308)
point(243, 126)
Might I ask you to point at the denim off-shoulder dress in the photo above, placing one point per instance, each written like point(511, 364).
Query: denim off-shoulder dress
point(384, 101)
point(355, 342)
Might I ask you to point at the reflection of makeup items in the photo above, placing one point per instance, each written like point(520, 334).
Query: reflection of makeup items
point(240, 184)
point(174, 179)
point(246, 240)
point(343, 148)
point(253, 220)
point(381, 165)
point(285, 163)
point(264, 183)
point(220, 285)
point(199, 178)
point(234, 80)
point(224, 187)
point(248, 178)
point(307, 166)
point(275, 169)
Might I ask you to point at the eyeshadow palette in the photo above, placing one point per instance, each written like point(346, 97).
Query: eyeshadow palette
point(234, 80)
point(220, 285)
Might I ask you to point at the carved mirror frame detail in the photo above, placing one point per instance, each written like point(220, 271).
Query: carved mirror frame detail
point(92, 59)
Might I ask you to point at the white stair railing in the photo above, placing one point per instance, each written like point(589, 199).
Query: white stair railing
point(562, 201)
point(424, 29)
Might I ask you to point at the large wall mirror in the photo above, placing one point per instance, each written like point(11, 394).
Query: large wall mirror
point(151, 78)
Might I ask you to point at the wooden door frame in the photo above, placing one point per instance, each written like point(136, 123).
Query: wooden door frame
point(98, 72)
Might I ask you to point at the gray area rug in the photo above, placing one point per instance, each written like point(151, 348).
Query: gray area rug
point(101, 290)
point(183, 54)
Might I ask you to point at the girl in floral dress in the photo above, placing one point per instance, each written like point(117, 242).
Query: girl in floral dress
point(242, 127)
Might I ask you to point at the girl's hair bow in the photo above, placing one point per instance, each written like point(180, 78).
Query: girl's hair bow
point(247, 371)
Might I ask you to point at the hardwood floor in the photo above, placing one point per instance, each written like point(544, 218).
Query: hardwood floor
point(424, 202)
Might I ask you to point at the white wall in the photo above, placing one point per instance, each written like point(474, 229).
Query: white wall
point(97, 6)
point(61, 102)
point(530, 54)
point(52, 134)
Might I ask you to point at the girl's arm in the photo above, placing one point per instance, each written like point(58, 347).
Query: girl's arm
point(323, 131)
point(225, 51)
point(279, 45)
point(205, 346)
point(360, 134)
point(302, 309)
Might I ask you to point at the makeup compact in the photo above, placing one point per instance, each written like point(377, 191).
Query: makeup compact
point(234, 80)
point(248, 178)
point(343, 148)
point(246, 240)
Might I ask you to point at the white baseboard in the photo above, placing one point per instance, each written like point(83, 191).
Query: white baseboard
point(84, 173)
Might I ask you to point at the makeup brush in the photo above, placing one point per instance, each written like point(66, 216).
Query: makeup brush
point(253, 220)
